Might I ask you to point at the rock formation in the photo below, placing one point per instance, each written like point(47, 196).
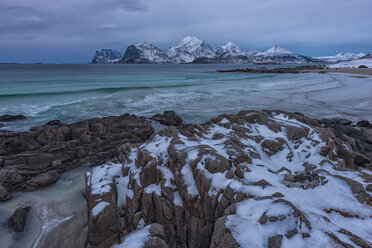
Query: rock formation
point(255, 179)
point(30, 160)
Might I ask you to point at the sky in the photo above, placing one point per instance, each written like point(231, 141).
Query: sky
point(70, 31)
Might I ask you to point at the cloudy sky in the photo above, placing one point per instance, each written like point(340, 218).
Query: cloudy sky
point(69, 31)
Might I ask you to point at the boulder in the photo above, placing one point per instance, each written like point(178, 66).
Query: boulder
point(11, 117)
point(18, 219)
point(363, 123)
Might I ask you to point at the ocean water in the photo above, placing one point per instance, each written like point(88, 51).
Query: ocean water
point(196, 92)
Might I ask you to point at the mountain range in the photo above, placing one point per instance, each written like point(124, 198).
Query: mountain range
point(194, 50)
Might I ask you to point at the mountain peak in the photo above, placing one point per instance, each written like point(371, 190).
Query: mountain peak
point(278, 50)
point(230, 45)
point(190, 39)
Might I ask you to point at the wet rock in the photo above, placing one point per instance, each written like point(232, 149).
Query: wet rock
point(275, 241)
point(343, 122)
point(60, 147)
point(4, 194)
point(18, 219)
point(1, 125)
point(168, 118)
point(328, 121)
point(11, 117)
point(363, 123)
point(42, 180)
point(70, 233)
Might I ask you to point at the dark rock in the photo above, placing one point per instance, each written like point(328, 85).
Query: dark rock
point(361, 160)
point(168, 118)
point(12, 117)
point(328, 121)
point(275, 241)
point(369, 187)
point(363, 123)
point(343, 122)
point(4, 194)
point(1, 125)
point(363, 66)
point(42, 180)
point(60, 147)
point(18, 220)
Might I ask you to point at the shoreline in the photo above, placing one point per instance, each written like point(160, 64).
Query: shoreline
point(303, 69)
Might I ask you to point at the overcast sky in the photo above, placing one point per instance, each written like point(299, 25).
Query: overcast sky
point(69, 31)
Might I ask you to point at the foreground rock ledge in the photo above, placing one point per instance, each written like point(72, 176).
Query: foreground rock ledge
point(255, 179)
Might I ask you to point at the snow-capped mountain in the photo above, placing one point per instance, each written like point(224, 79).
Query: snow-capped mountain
point(189, 49)
point(144, 53)
point(280, 55)
point(275, 50)
point(341, 57)
point(194, 50)
point(229, 49)
point(106, 56)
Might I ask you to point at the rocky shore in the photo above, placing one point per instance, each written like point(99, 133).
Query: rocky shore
point(289, 179)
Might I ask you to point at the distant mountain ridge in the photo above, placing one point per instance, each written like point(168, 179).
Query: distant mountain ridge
point(342, 57)
point(193, 50)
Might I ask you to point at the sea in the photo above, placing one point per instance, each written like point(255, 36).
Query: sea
point(73, 92)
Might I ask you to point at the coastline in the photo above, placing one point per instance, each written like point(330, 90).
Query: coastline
point(358, 71)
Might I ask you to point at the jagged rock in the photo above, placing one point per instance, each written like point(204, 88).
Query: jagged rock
point(18, 219)
point(4, 194)
point(168, 118)
point(12, 117)
point(187, 179)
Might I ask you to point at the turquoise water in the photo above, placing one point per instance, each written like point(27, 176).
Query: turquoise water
point(196, 92)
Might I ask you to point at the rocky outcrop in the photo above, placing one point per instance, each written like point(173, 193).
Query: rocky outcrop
point(168, 118)
point(273, 173)
point(30, 160)
point(5, 118)
point(359, 137)
point(106, 56)
point(18, 219)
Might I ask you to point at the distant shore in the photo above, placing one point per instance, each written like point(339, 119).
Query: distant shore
point(304, 69)
point(360, 71)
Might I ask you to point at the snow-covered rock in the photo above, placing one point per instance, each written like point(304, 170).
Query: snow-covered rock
point(341, 57)
point(254, 179)
point(106, 56)
point(189, 49)
point(144, 53)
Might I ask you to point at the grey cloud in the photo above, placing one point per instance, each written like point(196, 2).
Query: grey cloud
point(82, 26)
